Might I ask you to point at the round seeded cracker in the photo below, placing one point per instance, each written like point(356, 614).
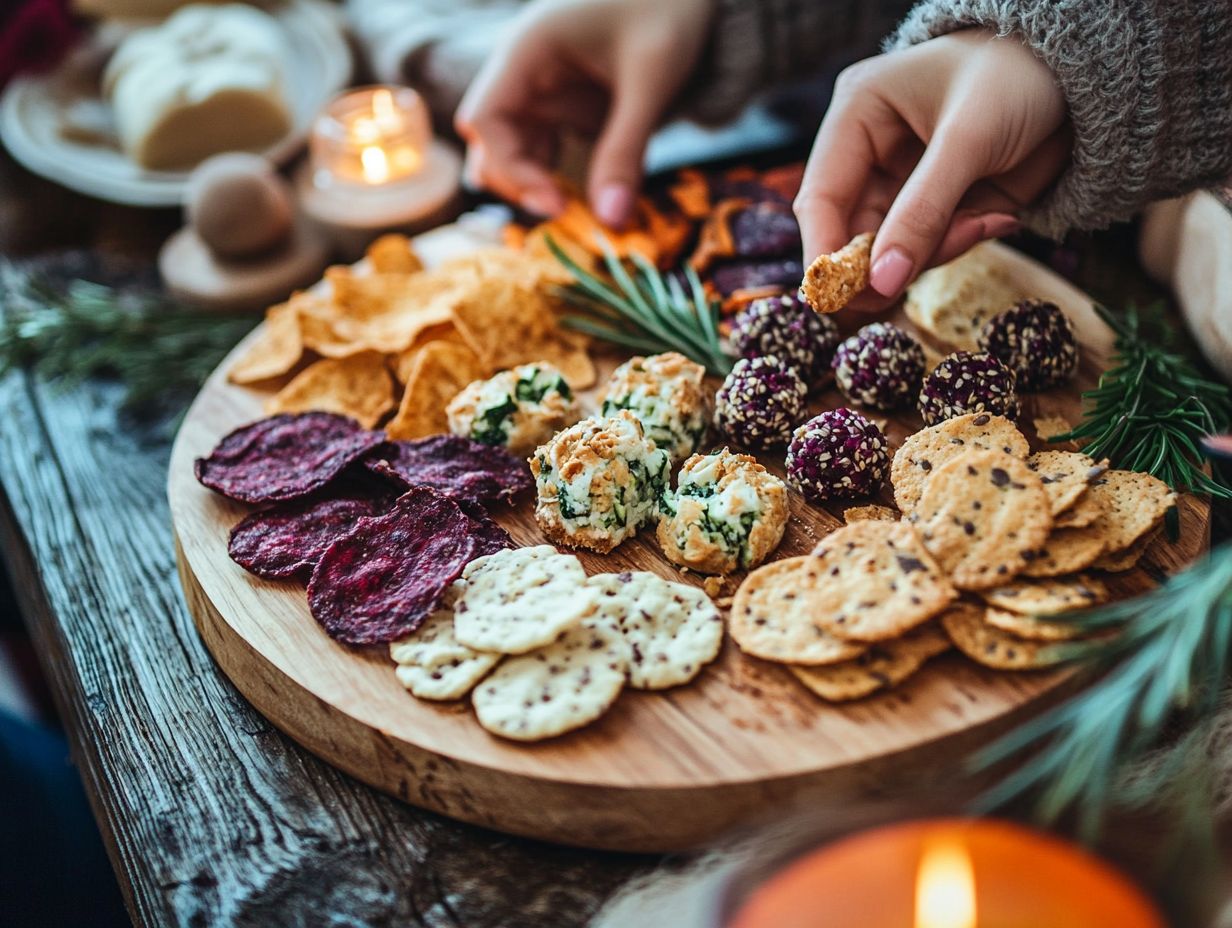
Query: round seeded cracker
point(923, 453)
point(985, 644)
point(433, 664)
point(1067, 550)
point(1065, 475)
point(1085, 510)
point(1134, 503)
point(982, 516)
point(672, 629)
point(883, 665)
point(521, 599)
point(1115, 562)
point(1047, 597)
point(558, 688)
point(1032, 629)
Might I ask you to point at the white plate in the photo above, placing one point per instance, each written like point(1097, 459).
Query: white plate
point(34, 109)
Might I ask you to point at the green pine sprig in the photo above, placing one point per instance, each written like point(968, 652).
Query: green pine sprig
point(161, 352)
point(1152, 408)
point(644, 309)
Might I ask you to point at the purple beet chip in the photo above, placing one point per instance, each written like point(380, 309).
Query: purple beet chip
point(455, 466)
point(490, 537)
point(754, 274)
point(378, 582)
point(765, 230)
point(284, 457)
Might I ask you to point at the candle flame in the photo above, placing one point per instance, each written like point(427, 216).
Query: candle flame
point(945, 887)
point(375, 164)
point(383, 107)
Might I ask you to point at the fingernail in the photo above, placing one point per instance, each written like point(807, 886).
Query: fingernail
point(890, 272)
point(540, 202)
point(614, 204)
point(997, 225)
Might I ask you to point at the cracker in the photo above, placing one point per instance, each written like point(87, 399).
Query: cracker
point(985, 644)
point(1065, 475)
point(882, 666)
point(831, 281)
point(557, 688)
point(277, 348)
point(877, 581)
point(1029, 627)
point(359, 386)
point(1047, 596)
point(1134, 503)
point(1083, 512)
point(673, 630)
point(1066, 551)
point(928, 449)
point(773, 615)
point(982, 516)
point(870, 513)
point(433, 664)
point(1115, 562)
point(521, 599)
point(440, 372)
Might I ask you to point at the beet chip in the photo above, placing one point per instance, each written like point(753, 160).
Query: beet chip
point(379, 581)
point(285, 541)
point(753, 274)
point(490, 537)
point(455, 466)
point(284, 457)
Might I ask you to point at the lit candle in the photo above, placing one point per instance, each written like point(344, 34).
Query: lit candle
point(947, 874)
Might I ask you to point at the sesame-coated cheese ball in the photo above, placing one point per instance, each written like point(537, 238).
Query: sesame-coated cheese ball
point(880, 366)
point(788, 329)
point(760, 402)
point(1036, 341)
point(838, 455)
point(967, 382)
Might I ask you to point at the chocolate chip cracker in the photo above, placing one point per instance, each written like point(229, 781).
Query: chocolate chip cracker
point(1065, 475)
point(1083, 512)
point(1030, 628)
point(923, 453)
point(1066, 551)
point(882, 666)
point(1047, 597)
point(988, 645)
point(1116, 562)
point(1134, 503)
point(982, 516)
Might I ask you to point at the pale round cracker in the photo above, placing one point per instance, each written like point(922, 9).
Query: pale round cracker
point(1065, 475)
point(1047, 596)
point(1032, 629)
point(877, 581)
point(992, 647)
point(1134, 504)
point(1067, 551)
point(772, 615)
point(673, 629)
point(433, 664)
point(520, 599)
point(558, 688)
point(1085, 510)
point(923, 453)
point(883, 665)
point(982, 515)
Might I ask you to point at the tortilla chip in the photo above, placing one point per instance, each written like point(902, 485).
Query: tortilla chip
point(831, 281)
point(404, 361)
point(277, 348)
point(359, 386)
point(393, 254)
point(439, 372)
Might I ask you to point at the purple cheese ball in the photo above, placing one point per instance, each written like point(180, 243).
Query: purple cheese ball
point(968, 382)
point(760, 402)
point(1036, 341)
point(789, 330)
point(880, 366)
point(837, 455)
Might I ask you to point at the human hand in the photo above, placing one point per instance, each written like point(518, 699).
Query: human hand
point(935, 148)
point(605, 69)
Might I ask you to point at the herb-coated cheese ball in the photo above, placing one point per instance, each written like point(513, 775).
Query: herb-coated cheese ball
point(880, 366)
point(519, 409)
point(1036, 341)
point(838, 455)
point(788, 329)
point(728, 513)
point(759, 402)
point(664, 392)
point(598, 481)
point(967, 382)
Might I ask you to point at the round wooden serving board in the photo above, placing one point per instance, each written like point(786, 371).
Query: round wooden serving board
point(662, 770)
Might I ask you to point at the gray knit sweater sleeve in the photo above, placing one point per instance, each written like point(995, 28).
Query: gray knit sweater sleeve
point(1149, 89)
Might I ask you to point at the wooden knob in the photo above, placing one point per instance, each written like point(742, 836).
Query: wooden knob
point(238, 205)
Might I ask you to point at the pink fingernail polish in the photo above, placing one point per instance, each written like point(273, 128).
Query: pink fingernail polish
point(997, 225)
point(890, 272)
point(614, 204)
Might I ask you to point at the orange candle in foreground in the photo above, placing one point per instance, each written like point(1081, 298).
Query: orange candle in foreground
point(943, 873)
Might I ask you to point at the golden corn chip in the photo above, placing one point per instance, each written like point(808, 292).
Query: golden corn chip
point(277, 348)
point(359, 386)
point(831, 281)
point(393, 254)
point(439, 372)
point(404, 361)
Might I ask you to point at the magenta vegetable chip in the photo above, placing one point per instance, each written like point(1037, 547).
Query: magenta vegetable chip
point(455, 466)
point(284, 457)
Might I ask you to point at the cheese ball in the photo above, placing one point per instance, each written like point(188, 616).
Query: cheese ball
point(967, 382)
point(728, 513)
point(838, 455)
point(759, 402)
point(787, 328)
point(518, 409)
point(1036, 341)
point(598, 481)
point(880, 366)
point(664, 393)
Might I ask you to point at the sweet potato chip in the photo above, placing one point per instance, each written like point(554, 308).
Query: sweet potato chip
point(715, 240)
point(275, 351)
point(440, 370)
point(359, 386)
point(832, 280)
point(691, 193)
point(393, 254)
point(578, 223)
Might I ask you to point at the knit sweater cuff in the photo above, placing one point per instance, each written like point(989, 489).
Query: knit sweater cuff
point(1149, 89)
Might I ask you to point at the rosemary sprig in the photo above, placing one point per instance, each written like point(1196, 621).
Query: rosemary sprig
point(1167, 666)
point(644, 309)
point(159, 351)
point(1152, 408)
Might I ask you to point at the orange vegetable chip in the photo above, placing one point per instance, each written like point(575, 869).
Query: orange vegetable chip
point(440, 370)
point(691, 193)
point(359, 386)
point(276, 349)
point(393, 254)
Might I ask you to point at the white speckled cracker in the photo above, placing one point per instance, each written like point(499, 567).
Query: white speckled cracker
point(982, 516)
point(555, 689)
point(1047, 597)
point(433, 664)
point(521, 599)
point(988, 645)
point(923, 453)
point(673, 630)
point(1085, 510)
point(773, 615)
point(1065, 475)
point(1135, 504)
point(1031, 629)
point(877, 581)
point(882, 666)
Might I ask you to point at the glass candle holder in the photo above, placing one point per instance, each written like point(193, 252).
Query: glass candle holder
point(371, 137)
